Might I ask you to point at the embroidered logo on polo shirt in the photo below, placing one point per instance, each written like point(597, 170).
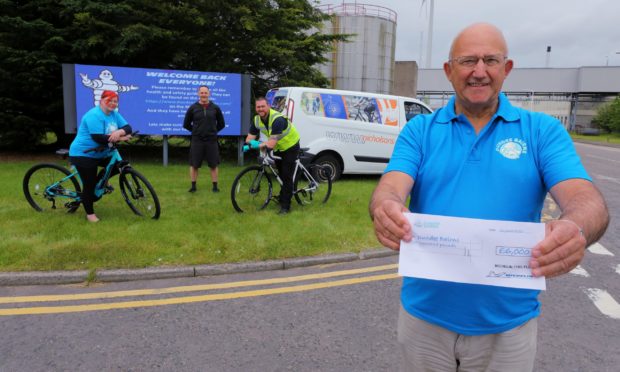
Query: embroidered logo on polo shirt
point(511, 148)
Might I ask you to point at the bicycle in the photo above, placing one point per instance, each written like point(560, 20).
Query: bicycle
point(46, 184)
point(252, 189)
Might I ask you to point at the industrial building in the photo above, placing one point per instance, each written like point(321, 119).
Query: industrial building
point(366, 63)
point(570, 94)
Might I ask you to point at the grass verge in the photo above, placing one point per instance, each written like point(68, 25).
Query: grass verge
point(198, 228)
point(608, 138)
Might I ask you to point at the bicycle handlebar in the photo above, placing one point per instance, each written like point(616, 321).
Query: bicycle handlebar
point(263, 153)
point(109, 145)
point(271, 155)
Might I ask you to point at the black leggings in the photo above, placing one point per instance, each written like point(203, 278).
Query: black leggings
point(87, 167)
point(286, 168)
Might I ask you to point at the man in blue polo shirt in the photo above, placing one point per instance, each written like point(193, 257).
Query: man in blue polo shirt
point(481, 157)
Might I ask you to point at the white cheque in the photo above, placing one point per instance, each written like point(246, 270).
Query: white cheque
point(468, 250)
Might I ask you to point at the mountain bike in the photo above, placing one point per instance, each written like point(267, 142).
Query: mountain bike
point(50, 187)
point(252, 189)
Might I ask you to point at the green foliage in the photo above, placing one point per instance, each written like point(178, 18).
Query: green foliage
point(608, 116)
point(277, 42)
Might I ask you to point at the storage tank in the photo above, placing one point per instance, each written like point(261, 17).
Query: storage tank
point(366, 63)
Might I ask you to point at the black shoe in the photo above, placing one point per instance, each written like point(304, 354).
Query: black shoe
point(193, 189)
point(72, 204)
point(284, 211)
point(215, 189)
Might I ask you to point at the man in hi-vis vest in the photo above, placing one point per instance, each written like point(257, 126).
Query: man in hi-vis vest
point(283, 139)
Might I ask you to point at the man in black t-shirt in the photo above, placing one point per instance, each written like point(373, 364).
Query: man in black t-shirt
point(204, 120)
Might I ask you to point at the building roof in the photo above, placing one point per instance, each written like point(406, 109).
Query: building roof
point(596, 79)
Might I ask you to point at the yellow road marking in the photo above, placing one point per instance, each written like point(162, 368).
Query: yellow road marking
point(192, 299)
point(194, 288)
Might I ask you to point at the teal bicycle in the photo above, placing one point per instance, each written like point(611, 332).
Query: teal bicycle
point(50, 187)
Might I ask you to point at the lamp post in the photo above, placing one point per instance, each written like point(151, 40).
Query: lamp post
point(429, 34)
point(607, 58)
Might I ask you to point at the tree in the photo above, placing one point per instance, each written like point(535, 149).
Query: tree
point(608, 116)
point(277, 42)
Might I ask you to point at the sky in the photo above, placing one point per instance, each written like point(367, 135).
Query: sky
point(580, 32)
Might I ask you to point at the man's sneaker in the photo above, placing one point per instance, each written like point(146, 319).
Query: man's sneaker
point(284, 211)
point(192, 189)
point(215, 189)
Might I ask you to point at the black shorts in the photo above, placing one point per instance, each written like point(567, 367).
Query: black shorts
point(199, 150)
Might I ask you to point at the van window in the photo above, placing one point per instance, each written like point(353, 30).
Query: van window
point(277, 99)
point(412, 109)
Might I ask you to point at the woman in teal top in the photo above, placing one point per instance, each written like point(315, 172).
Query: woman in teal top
point(99, 126)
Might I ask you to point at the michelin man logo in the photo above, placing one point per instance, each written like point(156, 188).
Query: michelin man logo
point(105, 82)
point(511, 148)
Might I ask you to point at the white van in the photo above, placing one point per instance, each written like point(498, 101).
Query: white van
point(351, 132)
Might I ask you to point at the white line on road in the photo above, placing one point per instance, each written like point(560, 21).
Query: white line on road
point(607, 178)
point(604, 302)
point(602, 158)
point(580, 271)
point(597, 248)
point(598, 147)
point(618, 269)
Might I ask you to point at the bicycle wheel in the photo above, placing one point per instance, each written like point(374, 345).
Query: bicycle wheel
point(251, 190)
point(315, 190)
point(48, 187)
point(139, 194)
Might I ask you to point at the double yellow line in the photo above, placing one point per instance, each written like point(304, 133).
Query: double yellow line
point(196, 288)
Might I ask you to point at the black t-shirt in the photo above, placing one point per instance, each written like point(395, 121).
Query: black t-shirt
point(204, 121)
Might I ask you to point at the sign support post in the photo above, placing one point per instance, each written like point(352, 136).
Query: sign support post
point(165, 146)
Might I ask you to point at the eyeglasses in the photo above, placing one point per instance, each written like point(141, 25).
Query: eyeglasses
point(472, 61)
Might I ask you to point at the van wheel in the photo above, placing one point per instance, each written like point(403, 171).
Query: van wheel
point(331, 166)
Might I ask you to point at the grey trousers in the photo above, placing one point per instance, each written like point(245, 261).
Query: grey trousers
point(427, 347)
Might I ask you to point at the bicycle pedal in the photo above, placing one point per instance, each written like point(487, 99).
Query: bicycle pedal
point(108, 189)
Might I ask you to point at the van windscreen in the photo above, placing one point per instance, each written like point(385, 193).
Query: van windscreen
point(277, 98)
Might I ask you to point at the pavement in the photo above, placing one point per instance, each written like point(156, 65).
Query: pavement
point(120, 275)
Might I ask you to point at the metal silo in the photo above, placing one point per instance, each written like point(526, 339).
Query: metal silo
point(366, 63)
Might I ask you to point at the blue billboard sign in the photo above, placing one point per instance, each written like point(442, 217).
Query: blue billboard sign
point(154, 101)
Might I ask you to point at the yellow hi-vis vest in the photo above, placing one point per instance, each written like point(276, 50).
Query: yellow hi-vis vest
point(287, 139)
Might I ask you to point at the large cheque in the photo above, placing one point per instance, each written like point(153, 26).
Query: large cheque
point(468, 250)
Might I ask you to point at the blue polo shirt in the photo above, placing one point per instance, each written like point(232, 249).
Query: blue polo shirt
point(502, 173)
point(95, 121)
